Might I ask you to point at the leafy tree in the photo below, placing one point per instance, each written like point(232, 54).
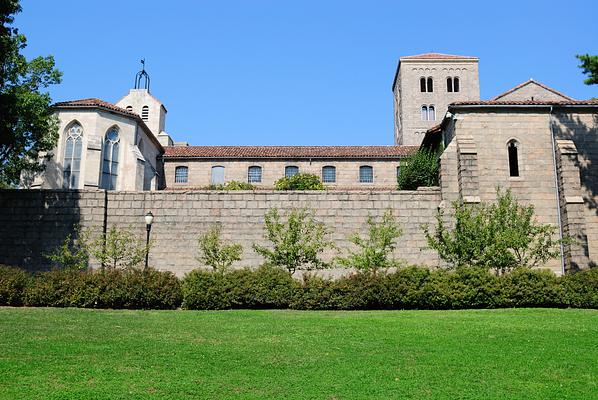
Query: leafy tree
point(72, 253)
point(375, 250)
point(300, 181)
point(502, 235)
point(215, 253)
point(122, 248)
point(27, 124)
point(297, 242)
point(589, 65)
point(420, 169)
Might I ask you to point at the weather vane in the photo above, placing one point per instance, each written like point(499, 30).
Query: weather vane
point(142, 74)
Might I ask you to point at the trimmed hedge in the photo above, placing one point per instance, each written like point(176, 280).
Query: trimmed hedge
point(271, 287)
point(109, 288)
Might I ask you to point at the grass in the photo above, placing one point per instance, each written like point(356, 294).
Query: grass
point(471, 354)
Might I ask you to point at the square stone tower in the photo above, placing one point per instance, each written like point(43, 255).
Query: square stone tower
point(424, 86)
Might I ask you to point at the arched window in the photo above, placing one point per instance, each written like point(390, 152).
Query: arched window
point(217, 177)
point(254, 174)
point(130, 108)
point(366, 174)
point(512, 148)
point(456, 84)
point(290, 171)
point(424, 113)
point(329, 174)
point(430, 84)
point(422, 84)
point(431, 113)
point(110, 160)
point(72, 156)
point(181, 174)
point(145, 113)
point(449, 84)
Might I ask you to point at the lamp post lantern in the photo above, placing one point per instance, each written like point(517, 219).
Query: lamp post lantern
point(149, 218)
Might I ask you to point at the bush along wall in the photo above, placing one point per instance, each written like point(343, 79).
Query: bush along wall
point(271, 287)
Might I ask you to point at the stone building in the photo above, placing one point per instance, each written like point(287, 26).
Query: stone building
point(532, 139)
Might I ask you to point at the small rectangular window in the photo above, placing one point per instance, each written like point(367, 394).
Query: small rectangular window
point(366, 174)
point(329, 174)
point(290, 171)
point(254, 174)
point(217, 175)
point(181, 175)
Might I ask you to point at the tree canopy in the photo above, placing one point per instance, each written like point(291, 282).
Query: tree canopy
point(28, 127)
point(589, 65)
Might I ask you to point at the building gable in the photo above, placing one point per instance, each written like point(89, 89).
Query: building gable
point(533, 91)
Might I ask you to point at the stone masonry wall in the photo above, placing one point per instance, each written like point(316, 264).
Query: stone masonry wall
point(32, 223)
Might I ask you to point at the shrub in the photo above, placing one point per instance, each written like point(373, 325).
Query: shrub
point(296, 242)
point(502, 235)
point(12, 284)
point(73, 253)
point(111, 288)
point(300, 181)
point(232, 185)
point(317, 293)
point(205, 290)
point(264, 287)
point(581, 288)
point(215, 253)
point(375, 251)
point(525, 287)
point(405, 288)
point(420, 169)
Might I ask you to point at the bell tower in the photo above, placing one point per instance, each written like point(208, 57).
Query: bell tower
point(141, 102)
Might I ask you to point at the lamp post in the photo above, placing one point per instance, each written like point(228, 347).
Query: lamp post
point(149, 218)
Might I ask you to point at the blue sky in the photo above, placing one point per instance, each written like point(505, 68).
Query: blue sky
point(298, 73)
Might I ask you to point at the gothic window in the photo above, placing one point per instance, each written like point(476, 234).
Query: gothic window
point(217, 177)
point(291, 170)
point(430, 84)
point(424, 113)
point(72, 157)
point(329, 174)
point(145, 113)
point(431, 113)
point(366, 174)
point(181, 174)
point(254, 174)
point(422, 84)
point(449, 84)
point(456, 84)
point(512, 148)
point(110, 159)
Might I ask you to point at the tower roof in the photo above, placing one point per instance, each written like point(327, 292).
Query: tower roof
point(437, 56)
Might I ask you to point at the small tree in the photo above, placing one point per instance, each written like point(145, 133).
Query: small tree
point(502, 235)
point(215, 253)
point(72, 253)
point(120, 248)
point(232, 185)
point(297, 242)
point(375, 250)
point(420, 169)
point(300, 181)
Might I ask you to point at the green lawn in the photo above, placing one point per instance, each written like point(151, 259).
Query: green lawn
point(473, 354)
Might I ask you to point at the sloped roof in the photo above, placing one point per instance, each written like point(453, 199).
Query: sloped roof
point(95, 103)
point(528, 82)
point(526, 103)
point(286, 152)
point(437, 56)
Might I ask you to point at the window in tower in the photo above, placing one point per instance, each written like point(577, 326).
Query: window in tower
point(456, 84)
point(145, 113)
point(430, 84)
point(449, 84)
point(422, 84)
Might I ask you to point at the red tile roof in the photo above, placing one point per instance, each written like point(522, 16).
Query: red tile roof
point(527, 83)
point(104, 105)
point(526, 103)
point(94, 103)
point(437, 56)
point(372, 152)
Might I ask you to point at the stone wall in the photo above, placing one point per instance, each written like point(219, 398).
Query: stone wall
point(34, 222)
